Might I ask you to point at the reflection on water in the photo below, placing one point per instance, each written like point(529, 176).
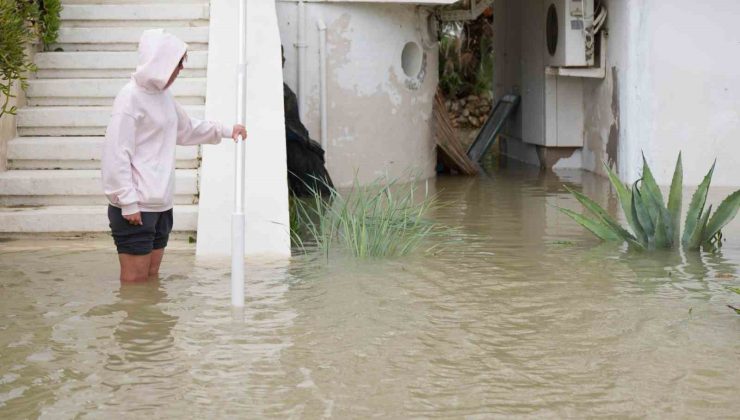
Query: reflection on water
point(522, 314)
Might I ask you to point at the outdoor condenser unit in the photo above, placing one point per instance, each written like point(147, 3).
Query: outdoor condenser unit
point(566, 22)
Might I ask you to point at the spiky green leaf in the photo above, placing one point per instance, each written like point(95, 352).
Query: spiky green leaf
point(648, 182)
point(601, 230)
point(663, 233)
point(694, 241)
point(653, 199)
point(643, 238)
point(641, 213)
point(726, 211)
point(696, 207)
point(624, 194)
point(601, 214)
point(675, 198)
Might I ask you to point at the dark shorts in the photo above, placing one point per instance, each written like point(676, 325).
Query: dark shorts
point(140, 239)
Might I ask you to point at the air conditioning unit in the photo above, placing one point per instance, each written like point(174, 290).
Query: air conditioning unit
point(566, 22)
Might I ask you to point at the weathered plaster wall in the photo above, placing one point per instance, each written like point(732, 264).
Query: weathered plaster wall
point(266, 192)
point(377, 123)
point(606, 122)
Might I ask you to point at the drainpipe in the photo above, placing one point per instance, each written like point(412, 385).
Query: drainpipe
point(302, 46)
point(237, 218)
point(324, 97)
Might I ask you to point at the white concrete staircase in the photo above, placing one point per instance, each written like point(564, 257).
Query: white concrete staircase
point(53, 181)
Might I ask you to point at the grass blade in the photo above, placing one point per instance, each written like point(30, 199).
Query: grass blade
point(675, 198)
point(696, 207)
point(726, 211)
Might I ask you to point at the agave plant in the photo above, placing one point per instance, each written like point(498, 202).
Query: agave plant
point(654, 224)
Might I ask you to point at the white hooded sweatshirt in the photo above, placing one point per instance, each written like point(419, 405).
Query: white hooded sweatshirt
point(138, 164)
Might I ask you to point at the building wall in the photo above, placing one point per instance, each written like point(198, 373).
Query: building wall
point(379, 119)
point(266, 189)
point(688, 97)
point(671, 84)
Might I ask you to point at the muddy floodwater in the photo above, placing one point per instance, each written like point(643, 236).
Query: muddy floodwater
point(521, 314)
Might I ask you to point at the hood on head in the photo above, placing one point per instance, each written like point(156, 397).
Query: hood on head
point(159, 55)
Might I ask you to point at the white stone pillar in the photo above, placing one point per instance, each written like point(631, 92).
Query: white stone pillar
point(267, 225)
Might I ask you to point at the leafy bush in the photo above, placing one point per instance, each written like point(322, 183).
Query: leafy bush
point(23, 22)
point(653, 224)
point(380, 220)
point(466, 57)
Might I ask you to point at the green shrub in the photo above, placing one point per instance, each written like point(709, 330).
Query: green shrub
point(380, 220)
point(466, 57)
point(653, 224)
point(23, 22)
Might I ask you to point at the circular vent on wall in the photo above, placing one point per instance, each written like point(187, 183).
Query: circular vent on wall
point(552, 29)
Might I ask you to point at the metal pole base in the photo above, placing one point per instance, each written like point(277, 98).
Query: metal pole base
point(237, 260)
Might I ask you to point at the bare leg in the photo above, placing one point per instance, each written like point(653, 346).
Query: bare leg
point(156, 261)
point(134, 268)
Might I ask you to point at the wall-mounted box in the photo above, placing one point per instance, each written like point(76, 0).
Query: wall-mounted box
point(565, 26)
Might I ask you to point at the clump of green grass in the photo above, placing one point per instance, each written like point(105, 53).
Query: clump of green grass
point(383, 219)
point(655, 224)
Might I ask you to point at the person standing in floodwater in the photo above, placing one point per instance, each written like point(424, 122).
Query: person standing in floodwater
point(138, 163)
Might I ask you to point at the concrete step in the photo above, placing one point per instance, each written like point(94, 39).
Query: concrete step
point(74, 92)
point(58, 219)
point(135, 12)
point(123, 38)
point(72, 120)
point(105, 64)
point(73, 153)
point(74, 187)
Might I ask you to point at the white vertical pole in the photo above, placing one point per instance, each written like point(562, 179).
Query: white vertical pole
point(237, 219)
point(323, 91)
point(301, 57)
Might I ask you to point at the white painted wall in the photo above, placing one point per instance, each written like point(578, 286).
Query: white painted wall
point(377, 124)
point(689, 89)
point(267, 232)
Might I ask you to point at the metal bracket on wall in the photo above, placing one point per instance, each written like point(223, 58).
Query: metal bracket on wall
point(586, 72)
point(476, 8)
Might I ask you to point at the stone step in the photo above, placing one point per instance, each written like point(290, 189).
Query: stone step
point(73, 92)
point(74, 187)
point(135, 12)
point(105, 64)
point(58, 219)
point(72, 120)
point(73, 153)
point(123, 38)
